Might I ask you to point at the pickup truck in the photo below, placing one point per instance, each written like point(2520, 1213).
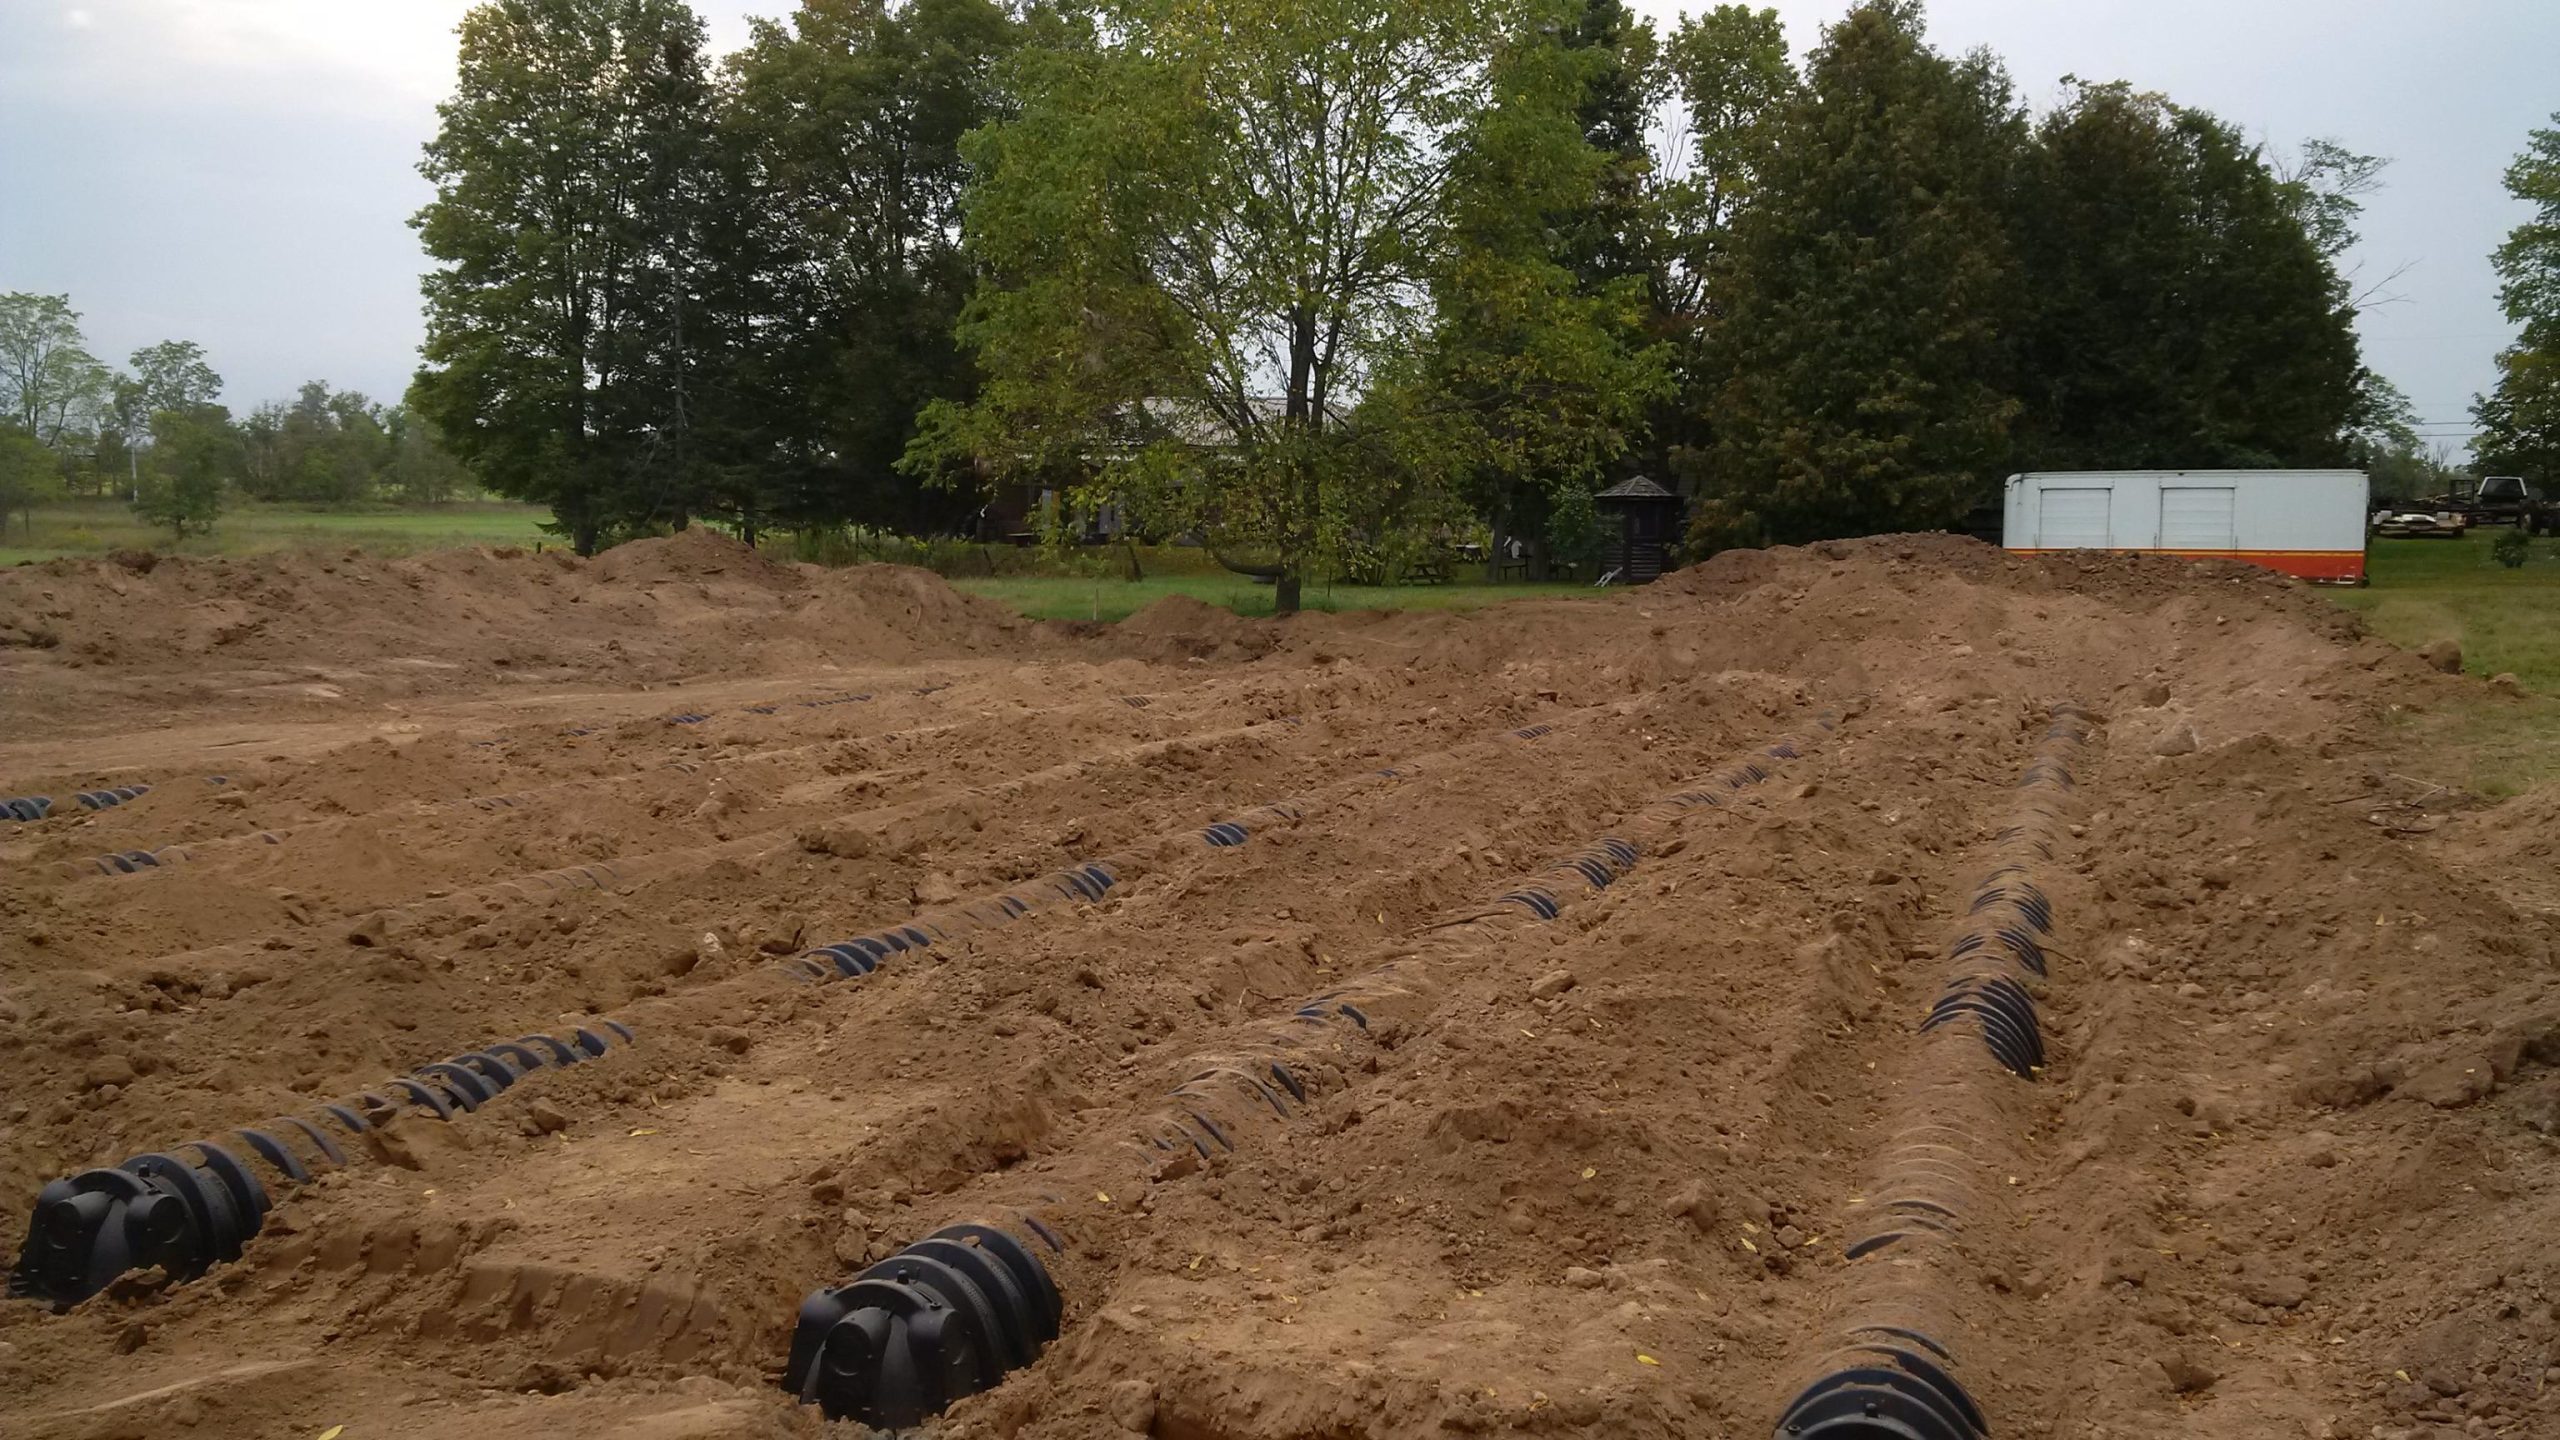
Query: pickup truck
point(2503, 500)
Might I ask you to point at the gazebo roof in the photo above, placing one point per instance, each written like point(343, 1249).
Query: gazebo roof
point(1635, 488)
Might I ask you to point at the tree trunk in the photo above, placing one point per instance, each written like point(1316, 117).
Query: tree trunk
point(1284, 596)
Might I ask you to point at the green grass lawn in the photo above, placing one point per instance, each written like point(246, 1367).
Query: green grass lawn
point(94, 527)
point(1045, 597)
point(2508, 622)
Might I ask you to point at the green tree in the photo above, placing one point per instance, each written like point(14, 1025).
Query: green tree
point(2520, 419)
point(1607, 234)
point(2185, 309)
point(566, 230)
point(1859, 367)
point(173, 375)
point(50, 385)
point(1725, 74)
point(195, 453)
point(1542, 356)
point(30, 474)
point(842, 255)
point(1210, 234)
point(422, 471)
point(2325, 186)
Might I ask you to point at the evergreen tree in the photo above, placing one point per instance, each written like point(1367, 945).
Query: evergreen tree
point(842, 134)
point(1860, 369)
point(2184, 312)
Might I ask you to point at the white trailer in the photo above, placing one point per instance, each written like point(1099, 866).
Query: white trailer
point(2307, 523)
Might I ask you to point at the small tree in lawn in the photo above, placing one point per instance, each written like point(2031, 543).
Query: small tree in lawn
point(30, 474)
point(195, 452)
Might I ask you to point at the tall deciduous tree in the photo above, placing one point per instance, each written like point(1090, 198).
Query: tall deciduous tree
point(1861, 369)
point(172, 375)
point(1211, 232)
point(2520, 419)
point(566, 229)
point(50, 385)
point(1727, 75)
point(30, 474)
point(1724, 75)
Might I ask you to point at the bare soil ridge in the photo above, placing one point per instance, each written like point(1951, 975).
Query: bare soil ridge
point(2290, 1167)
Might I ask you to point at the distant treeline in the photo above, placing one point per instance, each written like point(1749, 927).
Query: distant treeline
point(1303, 277)
point(72, 425)
point(1332, 266)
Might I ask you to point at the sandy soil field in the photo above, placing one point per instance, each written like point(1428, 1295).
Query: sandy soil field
point(1888, 983)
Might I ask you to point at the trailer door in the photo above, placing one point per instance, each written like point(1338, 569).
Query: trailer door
point(2074, 519)
point(2199, 519)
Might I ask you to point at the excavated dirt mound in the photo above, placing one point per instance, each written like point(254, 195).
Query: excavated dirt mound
point(1526, 1059)
point(80, 636)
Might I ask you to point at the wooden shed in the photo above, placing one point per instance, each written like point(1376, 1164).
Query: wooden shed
point(1648, 524)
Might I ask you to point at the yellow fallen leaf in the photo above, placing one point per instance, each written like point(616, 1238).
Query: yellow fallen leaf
point(1750, 1229)
point(644, 1132)
point(1195, 1261)
point(333, 1432)
point(1644, 1359)
point(1588, 1172)
point(1102, 1195)
point(2401, 1375)
point(1747, 1245)
point(1532, 1034)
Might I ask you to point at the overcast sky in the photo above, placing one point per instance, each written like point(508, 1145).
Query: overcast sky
point(241, 172)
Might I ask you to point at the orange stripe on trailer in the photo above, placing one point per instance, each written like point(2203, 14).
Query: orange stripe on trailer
point(2334, 566)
